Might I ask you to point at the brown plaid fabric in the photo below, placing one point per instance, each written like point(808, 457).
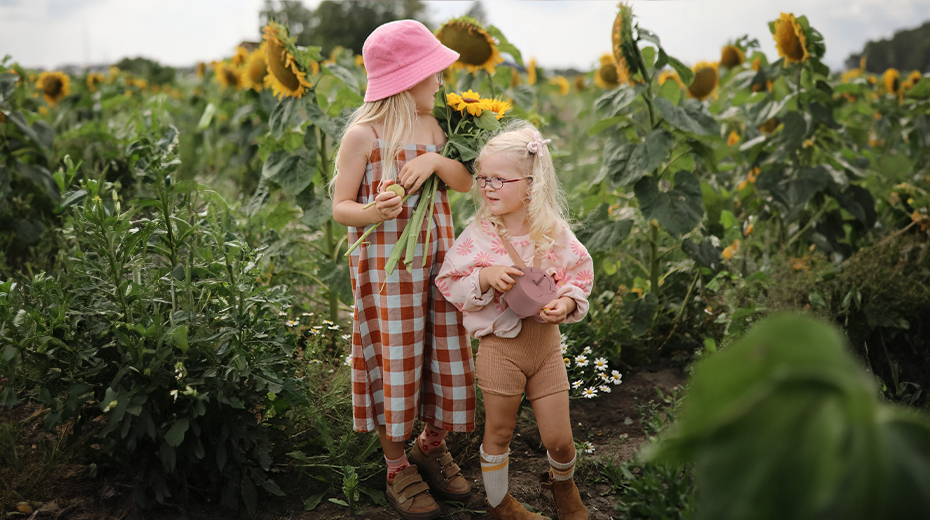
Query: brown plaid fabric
point(409, 347)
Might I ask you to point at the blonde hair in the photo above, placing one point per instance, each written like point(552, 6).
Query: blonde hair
point(397, 116)
point(545, 203)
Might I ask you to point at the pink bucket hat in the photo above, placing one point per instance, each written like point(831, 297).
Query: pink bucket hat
point(400, 54)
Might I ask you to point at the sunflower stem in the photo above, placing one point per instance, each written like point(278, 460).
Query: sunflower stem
point(368, 231)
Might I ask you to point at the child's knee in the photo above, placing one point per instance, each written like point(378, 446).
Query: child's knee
point(560, 447)
point(498, 435)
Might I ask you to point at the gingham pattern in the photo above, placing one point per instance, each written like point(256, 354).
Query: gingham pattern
point(409, 346)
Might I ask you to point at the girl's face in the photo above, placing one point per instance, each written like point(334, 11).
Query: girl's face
point(496, 170)
point(424, 93)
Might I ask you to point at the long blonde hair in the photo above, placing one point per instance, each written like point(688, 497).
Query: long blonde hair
point(546, 207)
point(397, 116)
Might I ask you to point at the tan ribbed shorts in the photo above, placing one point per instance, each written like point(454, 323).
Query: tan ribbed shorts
point(531, 362)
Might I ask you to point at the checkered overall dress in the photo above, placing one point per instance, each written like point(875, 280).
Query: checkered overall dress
point(410, 349)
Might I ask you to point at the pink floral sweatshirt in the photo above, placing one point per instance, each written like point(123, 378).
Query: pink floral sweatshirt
point(479, 246)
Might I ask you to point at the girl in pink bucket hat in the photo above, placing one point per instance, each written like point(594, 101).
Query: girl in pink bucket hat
point(410, 352)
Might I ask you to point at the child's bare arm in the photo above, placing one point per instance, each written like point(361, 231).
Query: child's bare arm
point(352, 163)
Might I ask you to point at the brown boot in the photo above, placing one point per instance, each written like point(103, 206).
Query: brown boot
point(441, 472)
point(567, 499)
point(510, 509)
point(410, 496)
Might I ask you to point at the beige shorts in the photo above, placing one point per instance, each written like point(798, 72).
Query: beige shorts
point(531, 362)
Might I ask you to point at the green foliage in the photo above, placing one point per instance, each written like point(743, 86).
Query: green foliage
point(906, 50)
point(785, 424)
point(153, 72)
point(154, 327)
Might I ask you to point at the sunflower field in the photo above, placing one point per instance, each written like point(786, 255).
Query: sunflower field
point(175, 304)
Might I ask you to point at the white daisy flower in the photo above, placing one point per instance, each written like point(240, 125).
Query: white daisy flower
point(600, 364)
point(587, 447)
point(567, 361)
point(577, 384)
point(587, 350)
point(315, 362)
point(346, 337)
point(282, 313)
point(589, 392)
point(317, 327)
point(307, 314)
point(349, 360)
point(603, 377)
point(336, 327)
point(581, 360)
point(604, 388)
point(615, 377)
point(314, 331)
point(327, 322)
point(292, 323)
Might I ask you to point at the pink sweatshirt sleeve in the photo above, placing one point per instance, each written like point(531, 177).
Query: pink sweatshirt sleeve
point(575, 276)
point(458, 277)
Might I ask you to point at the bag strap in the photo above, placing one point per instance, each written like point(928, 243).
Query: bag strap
point(514, 256)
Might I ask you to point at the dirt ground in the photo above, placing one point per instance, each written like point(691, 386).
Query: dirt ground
point(609, 422)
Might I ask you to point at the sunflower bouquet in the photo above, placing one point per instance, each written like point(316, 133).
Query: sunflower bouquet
point(469, 121)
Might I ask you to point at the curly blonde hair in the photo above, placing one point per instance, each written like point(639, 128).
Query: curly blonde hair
point(546, 206)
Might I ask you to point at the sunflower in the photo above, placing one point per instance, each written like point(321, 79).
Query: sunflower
point(580, 83)
point(762, 87)
point(770, 126)
point(912, 80)
point(112, 74)
point(54, 86)
point(94, 79)
point(892, 81)
point(360, 61)
point(733, 138)
point(705, 80)
point(731, 56)
point(850, 75)
point(256, 69)
point(531, 72)
point(756, 64)
point(240, 57)
point(621, 35)
point(608, 75)
point(470, 101)
point(667, 75)
point(790, 39)
point(201, 69)
point(139, 83)
point(230, 76)
point(284, 73)
point(475, 46)
point(562, 82)
point(515, 78)
point(498, 106)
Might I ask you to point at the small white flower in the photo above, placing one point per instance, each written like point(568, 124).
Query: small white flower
point(327, 322)
point(587, 350)
point(577, 384)
point(315, 362)
point(308, 314)
point(567, 361)
point(615, 377)
point(600, 364)
point(603, 377)
point(336, 327)
point(292, 323)
point(604, 388)
point(581, 360)
point(313, 331)
point(587, 447)
point(589, 392)
point(349, 360)
point(714, 241)
point(317, 327)
point(346, 337)
point(564, 348)
point(282, 313)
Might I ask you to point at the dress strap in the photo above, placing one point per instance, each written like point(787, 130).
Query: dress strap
point(514, 256)
point(375, 131)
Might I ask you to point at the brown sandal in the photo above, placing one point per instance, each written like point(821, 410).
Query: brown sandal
point(441, 472)
point(410, 496)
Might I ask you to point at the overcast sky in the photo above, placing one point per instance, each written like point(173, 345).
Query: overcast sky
point(52, 33)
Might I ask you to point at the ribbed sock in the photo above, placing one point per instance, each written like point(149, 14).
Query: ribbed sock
point(494, 472)
point(431, 438)
point(562, 470)
point(396, 466)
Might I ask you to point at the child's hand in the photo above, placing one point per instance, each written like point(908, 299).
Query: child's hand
point(499, 277)
point(416, 171)
point(388, 203)
point(557, 310)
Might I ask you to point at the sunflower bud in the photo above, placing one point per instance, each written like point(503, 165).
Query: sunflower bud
point(624, 46)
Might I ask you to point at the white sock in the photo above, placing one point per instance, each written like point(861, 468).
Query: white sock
point(494, 473)
point(562, 470)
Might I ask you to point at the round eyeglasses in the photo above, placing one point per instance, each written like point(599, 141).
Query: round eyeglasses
point(495, 182)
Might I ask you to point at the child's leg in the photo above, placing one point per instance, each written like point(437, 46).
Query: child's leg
point(500, 421)
point(555, 429)
point(431, 437)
